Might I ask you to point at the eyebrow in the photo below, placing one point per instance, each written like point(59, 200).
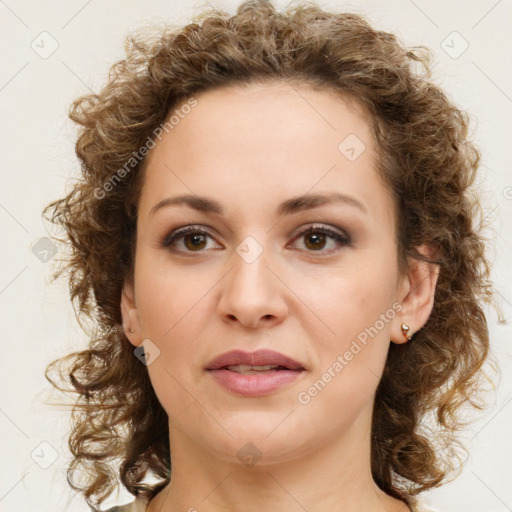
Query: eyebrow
point(292, 205)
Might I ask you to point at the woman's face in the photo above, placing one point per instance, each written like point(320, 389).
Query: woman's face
point(292, 250)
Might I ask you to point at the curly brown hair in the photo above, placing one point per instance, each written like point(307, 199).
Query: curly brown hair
point(120, 430)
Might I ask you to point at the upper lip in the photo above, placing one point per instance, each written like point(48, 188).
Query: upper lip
point(258, 358)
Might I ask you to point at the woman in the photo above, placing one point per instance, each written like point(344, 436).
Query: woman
point(274, 235)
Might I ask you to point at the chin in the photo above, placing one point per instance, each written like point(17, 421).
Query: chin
point(258, 439)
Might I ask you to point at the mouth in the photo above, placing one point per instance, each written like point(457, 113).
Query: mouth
point(259, 361)
point(246, 369)
point(254, 374)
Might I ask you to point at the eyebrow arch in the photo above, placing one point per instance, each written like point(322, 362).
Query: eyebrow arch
point(292, 205)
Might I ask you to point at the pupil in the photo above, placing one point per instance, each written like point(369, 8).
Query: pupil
point(317, 240)
point(196, 240)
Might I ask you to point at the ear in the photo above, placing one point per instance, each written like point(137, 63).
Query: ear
point(416, 295)
point(130, 314)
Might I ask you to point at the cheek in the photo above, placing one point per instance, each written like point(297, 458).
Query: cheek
point(348, 299)
point(172, 311)
point(354, 303)
point(352, 357)
point(169, 300)
point(172, 316)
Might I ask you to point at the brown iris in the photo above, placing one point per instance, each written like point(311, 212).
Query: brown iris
point(198, 241)
point(318, 240)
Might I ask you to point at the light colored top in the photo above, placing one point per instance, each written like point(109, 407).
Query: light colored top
point(424, 508)
point(140, 505)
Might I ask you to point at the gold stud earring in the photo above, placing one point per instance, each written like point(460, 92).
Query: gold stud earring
point(405, 330)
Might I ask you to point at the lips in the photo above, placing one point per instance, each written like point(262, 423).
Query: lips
point(261, 358)
point(254, 374)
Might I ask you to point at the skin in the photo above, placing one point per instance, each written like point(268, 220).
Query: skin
point(250, 149)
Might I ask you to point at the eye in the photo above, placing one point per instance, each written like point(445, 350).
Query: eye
point(316, 237)
point(193, 238)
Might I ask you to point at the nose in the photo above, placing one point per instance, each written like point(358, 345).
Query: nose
point(253, 293)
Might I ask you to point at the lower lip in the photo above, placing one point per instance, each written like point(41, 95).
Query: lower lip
point(254, 384)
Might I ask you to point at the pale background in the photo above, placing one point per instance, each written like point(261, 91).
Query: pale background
point(37, 159)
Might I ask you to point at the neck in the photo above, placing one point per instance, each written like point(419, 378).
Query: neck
point(333, 476)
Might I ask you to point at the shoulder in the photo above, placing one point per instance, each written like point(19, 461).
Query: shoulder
point(423, 508)
point(134, 506)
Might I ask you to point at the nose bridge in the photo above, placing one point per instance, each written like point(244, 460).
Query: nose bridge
point(250, 274)
point(252, 291)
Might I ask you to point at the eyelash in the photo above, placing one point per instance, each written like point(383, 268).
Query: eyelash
point(342, 240)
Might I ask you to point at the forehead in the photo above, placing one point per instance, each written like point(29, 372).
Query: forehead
point(278, 112)
point(266, 141)
point(276, 115)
